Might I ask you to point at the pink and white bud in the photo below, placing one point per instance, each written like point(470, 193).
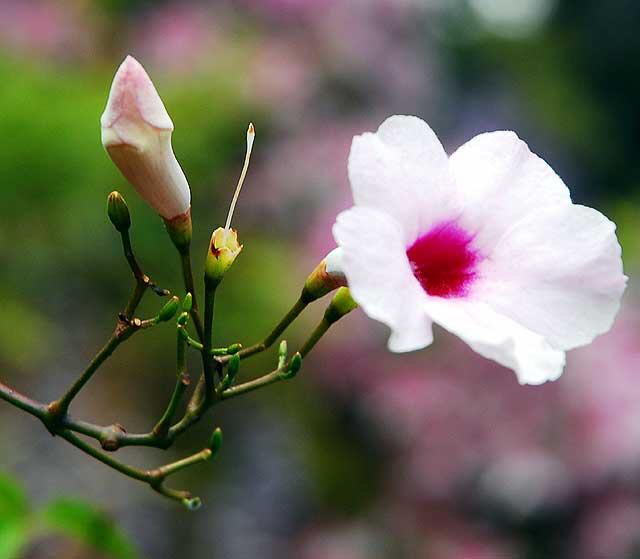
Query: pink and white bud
point(136, 132)
point(326, 277)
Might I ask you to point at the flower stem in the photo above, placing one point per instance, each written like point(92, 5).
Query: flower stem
point(142, 280)
point(187, 274)
point(130, 471)
point(59, 408)
point(251, 385)
point(207, 358)
point(169, 469)
point(315, 336)
point(280, 373)
point(293, 313)
point(22, 402)
point(182, 383)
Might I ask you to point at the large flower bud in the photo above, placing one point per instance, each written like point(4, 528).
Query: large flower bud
point(136, 132)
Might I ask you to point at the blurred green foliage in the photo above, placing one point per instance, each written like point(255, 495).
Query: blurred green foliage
point(21, 527)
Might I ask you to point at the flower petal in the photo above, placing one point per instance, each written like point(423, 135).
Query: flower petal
point(132, 91)
point(502, 181)
point(380, 277)
point(550, 265)
point(402, 170)
point(558, 273)
point(497, 337)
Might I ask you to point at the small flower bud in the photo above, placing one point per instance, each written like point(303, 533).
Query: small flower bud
point(223, 250)
point(234, 366)
point(233, 349)
point(183, 319)
point(232, 372)
point(294, 366)
point(282, 353)
point(169, 310)
point(187, 302)
point(136, 132)
point(215, 441)
point(118, 212)
point(192, 503)
point(340, 305)
point(326, 277)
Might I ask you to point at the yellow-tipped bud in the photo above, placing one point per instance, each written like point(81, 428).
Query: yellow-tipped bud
point(118, 212)
point(223, 250)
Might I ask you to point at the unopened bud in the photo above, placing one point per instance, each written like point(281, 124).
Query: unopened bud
point(341, 304)
point(187, 302)
point(282, 353)
point(234, 365)
point(118, 212)
point(136, 132)
point(223, 250)
point(169, 310)
point(192, 503)
point(183, 319)
point(326, 277)
point(294, 366)
point(215, 441)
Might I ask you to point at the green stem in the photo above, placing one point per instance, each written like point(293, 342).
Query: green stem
point(278, 374)
point(142, 281)
point(162, 427)
point(207, 358)
point(293, 313)
point(59, 408)
point(135, 473)
point(22, 402)
point(250, 386)
point(315, 336)
point(163, 472)
point(187, 274)
point(182, 383)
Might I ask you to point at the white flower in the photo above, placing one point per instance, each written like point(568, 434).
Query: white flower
point(485, 243)
point(136, 132)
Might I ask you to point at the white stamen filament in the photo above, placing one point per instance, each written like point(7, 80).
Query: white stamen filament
point(251, 134)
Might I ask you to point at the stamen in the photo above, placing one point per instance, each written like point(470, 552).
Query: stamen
point(251, 134)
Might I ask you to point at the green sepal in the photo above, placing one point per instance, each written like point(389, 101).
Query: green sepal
point(187, 302)
point(341, 304)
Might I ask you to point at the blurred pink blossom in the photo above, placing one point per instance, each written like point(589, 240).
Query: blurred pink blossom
point(451, 419)
point(280, 74)
point(601, 397)
point(609, 529)
point(302, 9)
point(44, 27)
point(178, 37)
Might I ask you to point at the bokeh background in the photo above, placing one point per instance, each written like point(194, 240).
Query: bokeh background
point(438, 454)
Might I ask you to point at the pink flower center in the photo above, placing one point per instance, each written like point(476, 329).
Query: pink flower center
point(443, 260)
